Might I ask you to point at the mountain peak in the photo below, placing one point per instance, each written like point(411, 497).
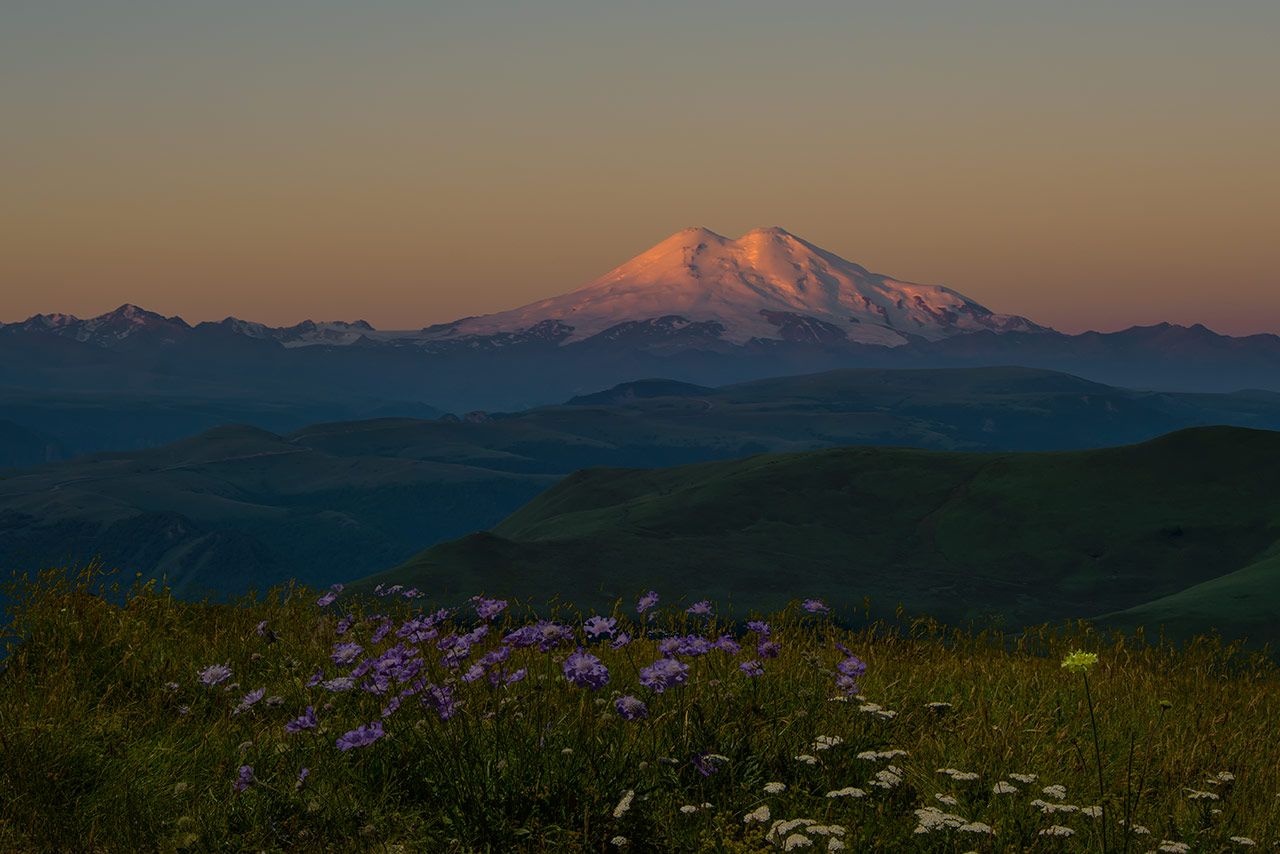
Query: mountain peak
point(766, 284)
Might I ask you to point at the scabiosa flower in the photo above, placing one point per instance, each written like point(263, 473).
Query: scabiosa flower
point(663, 674)
point(244, 779)
point(316, 678)
point(708, 763)
point(815, 606)
point(586, 671)
point(249, 699)
point(620, 641)
point(306, 721)
point(344, 625)
point(760, 627)
point(597, 626)
point(215, 674)
point(700, 609)
point(752, 668)
point(848, 671)
point(440, 698)
point(327, 599)
point(474, 673)
point(361, 736)
point(303, 773)
point(768, 649)
point(345, 653)
point(499, 676)
point(631, 708)
point(487, 609)
point(646, 602)
point(341, 683)
point(727, 644)
point(383, 629)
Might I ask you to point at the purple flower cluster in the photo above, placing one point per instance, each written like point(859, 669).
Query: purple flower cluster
point(215, 674)
point(663, 674)
point(441, 699)
point(848, 671)
point(700, 609)
point(646, 602)
point(244, 779)
point(586, 671)
point(487, 609)
point(752, 668)
point(597, 626)
point(631, 708)
point(306, 721)
point(345, 653)
point(815, 606)
point(544, 634)
point(362, 736)
point(330, 597)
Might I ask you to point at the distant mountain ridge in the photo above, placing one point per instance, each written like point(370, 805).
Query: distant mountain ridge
point(697, 308)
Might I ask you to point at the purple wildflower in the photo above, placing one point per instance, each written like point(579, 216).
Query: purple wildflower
point(487, 609)
point(707, 763)
point(686, 645)
point(545, 634)
point(620, 641)
point(474, 673)
point(381, 631)
point(597, 626)
point(663, 674)
point(727, 644)
point(646, 602)
point(412, 593)
point(502, 677)
point(345, 653)
point(306, 721)
point(494, 656)
point(249, 699)
point(344, 625)
point(244, 779)
point(303, 773)
point(341, 683)
point(215, 674)
point(440, 698)
point(752, 668)
point(327, 599)
point(392, 705)
point(848, 671)
point(815, 606)
point(362, 736)
point(631, 708)
point(586, 671)
point(768, 649)
point(760, 627)
point(316, 678)
point(261, 629)
point(700, 609)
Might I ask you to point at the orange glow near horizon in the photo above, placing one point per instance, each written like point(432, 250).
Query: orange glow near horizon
point(1090, 166)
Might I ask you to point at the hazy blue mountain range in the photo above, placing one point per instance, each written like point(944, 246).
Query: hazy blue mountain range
point(237, 507)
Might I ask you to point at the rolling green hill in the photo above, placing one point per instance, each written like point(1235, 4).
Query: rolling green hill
point(1178, 530)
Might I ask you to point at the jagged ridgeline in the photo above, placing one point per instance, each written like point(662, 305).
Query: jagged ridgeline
point(1181, 531)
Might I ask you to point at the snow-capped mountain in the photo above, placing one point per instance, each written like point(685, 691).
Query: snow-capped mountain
point(110, 329)
point(767, 284)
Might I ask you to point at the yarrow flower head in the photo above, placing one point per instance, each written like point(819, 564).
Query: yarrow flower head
point(586, 671)
point(1080, 661)
point(631, 708)
point(215, 674)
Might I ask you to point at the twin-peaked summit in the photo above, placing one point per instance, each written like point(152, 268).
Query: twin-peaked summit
point(767, 284)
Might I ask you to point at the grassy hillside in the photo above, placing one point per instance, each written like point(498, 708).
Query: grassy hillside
point(1018, 537)
point(157, 724)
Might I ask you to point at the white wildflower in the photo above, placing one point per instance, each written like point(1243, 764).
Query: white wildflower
point(847, 792)
point(774, 788)
point(834, 844)
point(1223, 777)
point(1093, 811)
point(688, 809)
point(937, 706)
point(797, 840)
point(961, 776)
point(1049, 809)
point(826, 742)
point(1242, 840)
point(759, 815)
point(877, 755)
point(1057, 830)
point(1058, 792)
point(932, 818)
point(1194, 795)
point(1004, 788)
point(781, 828)
point(947, 799)
point(625, 804)
point(827, 830)
point(807, 759)
point(1174, 847)
point(888, 777)
point(619, 842)
point(975, 827)
point(1024, 778)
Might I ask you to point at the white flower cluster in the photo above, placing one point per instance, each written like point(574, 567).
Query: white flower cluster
point(826, 742)
point(879, 755)
point(888, 777)
point(959, 776)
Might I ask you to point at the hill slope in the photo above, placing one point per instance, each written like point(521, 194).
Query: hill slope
point(1031, 537)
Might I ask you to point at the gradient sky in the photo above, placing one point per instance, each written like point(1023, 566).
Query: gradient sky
point(1090, 164)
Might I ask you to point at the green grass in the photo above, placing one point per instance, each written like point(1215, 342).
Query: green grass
point(96, 753)
point(1181, 528)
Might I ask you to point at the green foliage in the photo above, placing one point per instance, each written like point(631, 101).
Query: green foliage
point(96, 753)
